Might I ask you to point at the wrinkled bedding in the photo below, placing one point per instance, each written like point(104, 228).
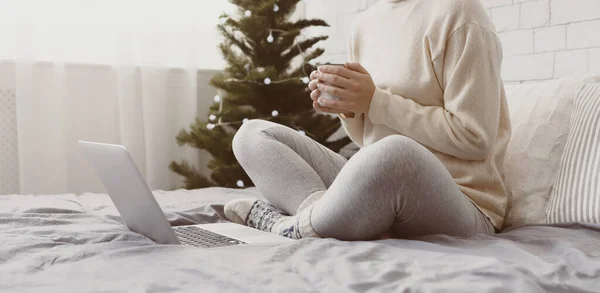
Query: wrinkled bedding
point(68, 243)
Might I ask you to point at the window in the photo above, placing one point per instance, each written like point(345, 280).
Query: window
point(174, 33)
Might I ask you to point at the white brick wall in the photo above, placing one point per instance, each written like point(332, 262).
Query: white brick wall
point(506, 18)
point(542, 39)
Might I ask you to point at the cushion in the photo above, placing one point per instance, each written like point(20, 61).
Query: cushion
point(575, 194)
point(540, 115)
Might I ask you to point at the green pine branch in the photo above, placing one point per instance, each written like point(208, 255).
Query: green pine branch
point(297, 49)
point(302, 24)
point(193, 179)
point(236, 63)
point(306, 68)
point(230, 37)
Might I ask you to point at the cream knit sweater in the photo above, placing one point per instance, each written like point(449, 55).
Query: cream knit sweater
point(436, 65)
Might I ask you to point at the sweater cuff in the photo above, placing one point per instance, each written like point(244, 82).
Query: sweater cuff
point(344, 116)
point(378, 104)
point(348, 123)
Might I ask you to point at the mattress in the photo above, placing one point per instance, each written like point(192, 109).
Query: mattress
point(68, 243)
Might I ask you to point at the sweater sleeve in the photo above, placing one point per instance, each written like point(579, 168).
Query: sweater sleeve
point(467, 124)
point(354, 127)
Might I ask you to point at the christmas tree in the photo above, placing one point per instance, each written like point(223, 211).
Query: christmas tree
point(269, 61)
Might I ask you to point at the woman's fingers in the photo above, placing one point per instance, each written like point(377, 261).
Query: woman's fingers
point(312, 85)
point(335, 80)
point(339, 70)
point(335, 91)
point(314, 95)
point(356, 67)
point(323, 109)
point(343, 106)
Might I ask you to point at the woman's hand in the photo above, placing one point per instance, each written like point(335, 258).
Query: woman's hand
point(316, 93)
point(352, 84)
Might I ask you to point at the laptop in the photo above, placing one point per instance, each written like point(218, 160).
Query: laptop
point(141, 213)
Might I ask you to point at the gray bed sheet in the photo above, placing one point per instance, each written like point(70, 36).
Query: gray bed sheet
point(68, 243)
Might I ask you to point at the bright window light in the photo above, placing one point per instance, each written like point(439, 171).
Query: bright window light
point(175, 33)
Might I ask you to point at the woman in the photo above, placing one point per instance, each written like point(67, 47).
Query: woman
point(430, 116)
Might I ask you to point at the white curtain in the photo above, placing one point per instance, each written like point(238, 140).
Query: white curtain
point(131, 72)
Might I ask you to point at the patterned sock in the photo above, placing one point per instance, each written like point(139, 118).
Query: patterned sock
point(263, 216)
point(296, 227)
point(238, 210)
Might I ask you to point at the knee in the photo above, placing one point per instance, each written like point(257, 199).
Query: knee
point(252, 135)
point(390, 167)
point(251, 128)
point(394, 154)
point(398, 143)
point(248, 134)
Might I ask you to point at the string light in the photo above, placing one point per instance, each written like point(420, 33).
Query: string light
point(302, 132)
point(245, 120)
point(217, 99)
point(305, 79)
point(267, 81)
point(248, 13)
point(276, 8)
point(270, 38)
point(275, 113)
point(210, 126)
point(240, 184)
point(212, 117)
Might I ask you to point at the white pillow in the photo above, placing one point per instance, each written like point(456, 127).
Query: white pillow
point(576, 193)
point(540, 115)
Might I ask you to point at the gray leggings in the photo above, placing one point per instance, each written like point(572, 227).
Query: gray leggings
point(394, 186)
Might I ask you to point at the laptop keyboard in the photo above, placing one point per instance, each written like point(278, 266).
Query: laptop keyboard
point(198, 237)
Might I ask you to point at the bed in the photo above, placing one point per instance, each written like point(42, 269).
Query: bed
point(69, 243)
